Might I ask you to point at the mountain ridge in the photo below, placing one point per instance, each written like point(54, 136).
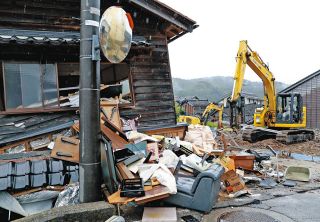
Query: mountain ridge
point(216, 87)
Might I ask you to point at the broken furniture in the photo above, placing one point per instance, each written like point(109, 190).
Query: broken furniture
point(171, 132)
point(156, 193)
point(243, 160)
point(151, 194)
point(193, 191)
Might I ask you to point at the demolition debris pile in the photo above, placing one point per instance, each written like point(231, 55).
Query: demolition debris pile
point(179, 166)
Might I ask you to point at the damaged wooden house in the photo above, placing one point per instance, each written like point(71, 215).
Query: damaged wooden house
point(39, 73)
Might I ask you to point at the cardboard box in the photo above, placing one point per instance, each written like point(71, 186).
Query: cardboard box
point(232, 181)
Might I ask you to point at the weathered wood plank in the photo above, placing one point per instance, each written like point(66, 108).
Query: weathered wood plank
point(154, 103)
point(160, 116)
point(154, 89)
point(153, 96)
point(151, 76)
point(150, 63)
point(157, 123)
point(137, 110)
point(159, 54)
point(150, 83)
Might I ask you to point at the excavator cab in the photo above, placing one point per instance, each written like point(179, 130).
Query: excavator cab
point(289, 108)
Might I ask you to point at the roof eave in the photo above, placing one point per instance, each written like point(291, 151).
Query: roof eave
point(155, 8)
point(294, 85)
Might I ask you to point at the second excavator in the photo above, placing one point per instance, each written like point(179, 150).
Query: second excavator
point(282, 116)
point(210, 110)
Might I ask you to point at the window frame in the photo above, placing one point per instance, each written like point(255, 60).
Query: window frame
point(24, 109)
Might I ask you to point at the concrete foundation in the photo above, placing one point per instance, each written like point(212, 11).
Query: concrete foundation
point(95, 212)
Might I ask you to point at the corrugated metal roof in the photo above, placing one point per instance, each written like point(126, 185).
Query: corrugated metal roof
point(301, 82)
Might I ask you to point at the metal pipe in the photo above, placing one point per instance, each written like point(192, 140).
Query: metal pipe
point(90, 154)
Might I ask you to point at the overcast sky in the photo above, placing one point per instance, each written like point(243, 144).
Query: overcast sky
point(285, 33)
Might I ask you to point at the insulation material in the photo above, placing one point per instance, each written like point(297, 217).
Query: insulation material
point(69, 196)
point(201, 136)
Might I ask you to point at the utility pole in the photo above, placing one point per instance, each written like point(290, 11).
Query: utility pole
point(90, 154)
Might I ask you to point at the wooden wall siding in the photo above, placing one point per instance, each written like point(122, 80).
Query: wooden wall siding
point(49, 14)
point(152, 87)
point(62, 14)
point(310, 91)
point(150, 68)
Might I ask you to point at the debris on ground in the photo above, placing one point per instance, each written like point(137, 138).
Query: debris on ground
point(144, 168)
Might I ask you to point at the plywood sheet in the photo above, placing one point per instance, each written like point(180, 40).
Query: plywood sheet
point(68, 151)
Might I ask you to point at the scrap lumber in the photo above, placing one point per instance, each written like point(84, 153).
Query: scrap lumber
point(116, 199)
point(124, 171)
point(110, 111)
point(157, 193)
point(152, 194)
point(117, 141)
point(174, 131)
point(66, 148)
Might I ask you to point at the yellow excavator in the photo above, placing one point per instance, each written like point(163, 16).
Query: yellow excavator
point(282, 116)
point(210, 110)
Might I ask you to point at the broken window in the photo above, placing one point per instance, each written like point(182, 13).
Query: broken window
point(126, 97)
point(29, 85)
point(50, 85)
point(68, 77)
point(118, 75)
point(43, 86)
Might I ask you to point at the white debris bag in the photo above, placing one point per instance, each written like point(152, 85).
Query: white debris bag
point(200, 136)
point(161, 172)
point(169, 159)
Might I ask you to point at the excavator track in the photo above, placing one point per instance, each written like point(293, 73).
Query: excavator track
point(254, 135)
point(285, 136)
point(295, 136)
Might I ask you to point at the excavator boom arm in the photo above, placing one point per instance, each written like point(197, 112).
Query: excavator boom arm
point(209, 108)
point(246, 56)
